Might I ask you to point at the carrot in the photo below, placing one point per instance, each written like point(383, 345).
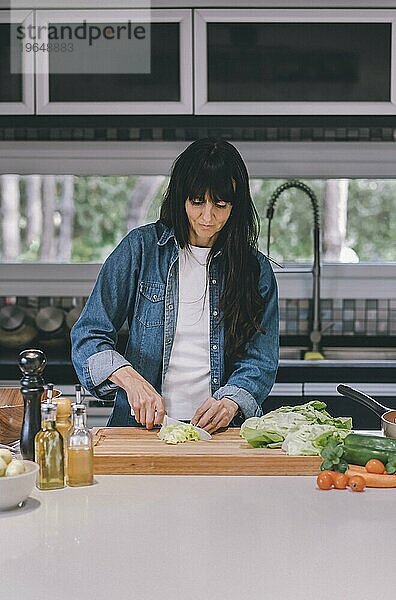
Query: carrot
point(358, 468)
point(372, 479)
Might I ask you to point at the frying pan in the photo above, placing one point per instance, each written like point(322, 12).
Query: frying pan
point(388, 415)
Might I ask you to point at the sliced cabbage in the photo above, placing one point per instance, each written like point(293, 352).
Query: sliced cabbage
point(177, 434)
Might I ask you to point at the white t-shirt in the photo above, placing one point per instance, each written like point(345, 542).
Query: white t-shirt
point(187, 381)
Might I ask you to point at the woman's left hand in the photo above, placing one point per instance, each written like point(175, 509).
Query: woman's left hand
point(215, 414)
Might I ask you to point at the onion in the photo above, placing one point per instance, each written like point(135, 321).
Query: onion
point(6, 455)
point(3, 467)
point(16, 467)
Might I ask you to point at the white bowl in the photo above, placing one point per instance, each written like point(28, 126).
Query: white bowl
point(14, 490)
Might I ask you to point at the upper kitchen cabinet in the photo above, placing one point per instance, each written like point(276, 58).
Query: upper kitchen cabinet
point(115, 62)
point(295, 62)
point(16, 65)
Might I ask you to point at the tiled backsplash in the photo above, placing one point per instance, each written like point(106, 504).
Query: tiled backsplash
point(37, 302)
point(181, 133)
point(340, 316)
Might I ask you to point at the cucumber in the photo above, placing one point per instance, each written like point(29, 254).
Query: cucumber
point(360, 455)
point(370, 441)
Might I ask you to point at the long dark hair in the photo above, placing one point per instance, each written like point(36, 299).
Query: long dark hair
point(215, 166)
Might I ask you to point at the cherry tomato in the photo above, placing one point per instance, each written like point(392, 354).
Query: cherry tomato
point(357, 483)
point(324, 481)
point(375, 466)
point(332, 474)
point(340, 481)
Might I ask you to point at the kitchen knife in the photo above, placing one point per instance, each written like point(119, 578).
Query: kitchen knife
point(203, 435)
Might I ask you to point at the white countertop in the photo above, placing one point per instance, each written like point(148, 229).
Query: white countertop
point(201, 538)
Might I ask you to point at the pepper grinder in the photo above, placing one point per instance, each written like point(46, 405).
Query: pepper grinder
point(32, 363)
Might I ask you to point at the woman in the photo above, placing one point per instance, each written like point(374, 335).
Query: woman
point(200, 299)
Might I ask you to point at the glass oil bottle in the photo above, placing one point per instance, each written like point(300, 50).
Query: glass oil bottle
point(63, 424)
point(79, 449)
point(49, 451)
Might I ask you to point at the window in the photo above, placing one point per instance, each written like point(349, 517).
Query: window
point(70, 219)
point(357, 216)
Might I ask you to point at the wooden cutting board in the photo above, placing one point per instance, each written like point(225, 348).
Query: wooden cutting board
point(134, 450)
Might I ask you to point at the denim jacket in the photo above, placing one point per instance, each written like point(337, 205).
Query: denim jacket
point(139, 282)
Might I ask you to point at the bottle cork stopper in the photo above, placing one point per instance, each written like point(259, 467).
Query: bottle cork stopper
point(63, 407)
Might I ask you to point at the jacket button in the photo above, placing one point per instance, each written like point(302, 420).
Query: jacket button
point(214, 347)
point(215, 380)
point(155, 297)
point(214, 281)
point(170, 306)
point(215, 313)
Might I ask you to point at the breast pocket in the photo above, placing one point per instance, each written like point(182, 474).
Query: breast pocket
point(151, 304)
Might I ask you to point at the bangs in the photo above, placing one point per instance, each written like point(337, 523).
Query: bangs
point(217, 183)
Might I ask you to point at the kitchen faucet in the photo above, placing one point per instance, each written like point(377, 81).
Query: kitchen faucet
point(315, 334)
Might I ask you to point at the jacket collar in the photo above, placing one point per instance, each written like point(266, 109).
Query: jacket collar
point(168, 233)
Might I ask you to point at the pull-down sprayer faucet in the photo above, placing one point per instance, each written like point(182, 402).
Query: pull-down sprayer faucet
point(315, 334)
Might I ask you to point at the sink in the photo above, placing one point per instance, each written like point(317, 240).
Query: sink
point(337, 353)
point(360, 354)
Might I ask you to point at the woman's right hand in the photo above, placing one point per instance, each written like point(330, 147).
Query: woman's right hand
point(146, 402)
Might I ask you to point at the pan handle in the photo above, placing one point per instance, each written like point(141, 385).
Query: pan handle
point(368, 401)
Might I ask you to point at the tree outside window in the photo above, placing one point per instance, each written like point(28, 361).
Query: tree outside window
point(69, 219)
